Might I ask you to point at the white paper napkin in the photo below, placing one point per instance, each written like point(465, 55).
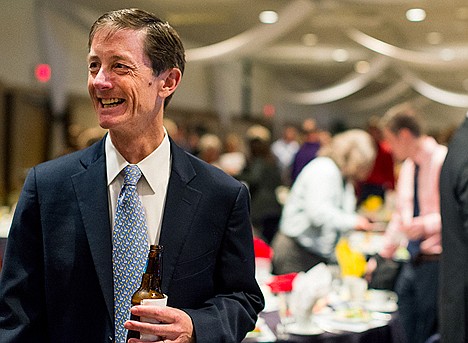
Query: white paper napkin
point(309, 287)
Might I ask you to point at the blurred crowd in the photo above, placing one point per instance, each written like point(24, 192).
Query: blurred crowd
point(270, 165)
point(310, 187)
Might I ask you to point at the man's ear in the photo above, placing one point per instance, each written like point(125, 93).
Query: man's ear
point(170, 81)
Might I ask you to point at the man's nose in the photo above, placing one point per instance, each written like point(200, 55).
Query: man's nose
point(102, 80)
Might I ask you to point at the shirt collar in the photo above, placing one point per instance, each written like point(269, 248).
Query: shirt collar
point(158, 160)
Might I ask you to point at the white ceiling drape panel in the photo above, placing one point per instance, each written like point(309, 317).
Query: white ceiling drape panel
point(254, 39)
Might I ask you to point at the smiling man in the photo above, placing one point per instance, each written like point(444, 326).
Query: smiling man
point(62, 279)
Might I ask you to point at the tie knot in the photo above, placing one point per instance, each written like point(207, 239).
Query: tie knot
point(131, 174)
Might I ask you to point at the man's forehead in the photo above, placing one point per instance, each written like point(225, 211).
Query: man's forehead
point(108, 33)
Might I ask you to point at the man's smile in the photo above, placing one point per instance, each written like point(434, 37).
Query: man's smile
point(112, 102)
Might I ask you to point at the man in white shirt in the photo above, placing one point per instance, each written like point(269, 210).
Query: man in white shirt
point(284, 149)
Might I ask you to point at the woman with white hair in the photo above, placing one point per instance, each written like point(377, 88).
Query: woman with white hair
point(322, 203)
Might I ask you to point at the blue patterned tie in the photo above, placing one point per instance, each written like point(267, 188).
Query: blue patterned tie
point(130, 248)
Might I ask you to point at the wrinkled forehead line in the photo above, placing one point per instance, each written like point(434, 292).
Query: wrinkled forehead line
point(109, 31)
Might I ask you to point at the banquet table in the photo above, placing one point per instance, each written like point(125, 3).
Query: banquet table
point(342, 308)
point(392, 332)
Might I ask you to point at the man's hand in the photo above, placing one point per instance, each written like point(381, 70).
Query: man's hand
point(363, 224)
point(175, 325)
point(414, 229)
point(371, 266)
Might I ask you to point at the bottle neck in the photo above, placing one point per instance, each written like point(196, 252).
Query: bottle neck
point(152, 277)
point(155, 283)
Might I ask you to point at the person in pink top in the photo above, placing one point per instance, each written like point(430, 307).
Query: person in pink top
point(416, 221)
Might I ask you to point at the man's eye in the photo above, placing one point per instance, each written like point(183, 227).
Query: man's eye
point(121, 68)
point(93, 67)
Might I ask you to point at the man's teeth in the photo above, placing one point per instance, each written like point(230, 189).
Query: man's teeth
point(111, 102)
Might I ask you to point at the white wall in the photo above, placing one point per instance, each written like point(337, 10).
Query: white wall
point(19, 49)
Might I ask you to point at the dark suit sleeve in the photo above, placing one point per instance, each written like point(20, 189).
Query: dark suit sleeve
point(22, 300)
point(453, 296)
point(238, 298)
point(461, 194)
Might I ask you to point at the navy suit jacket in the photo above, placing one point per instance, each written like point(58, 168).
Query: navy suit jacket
point(57, 284)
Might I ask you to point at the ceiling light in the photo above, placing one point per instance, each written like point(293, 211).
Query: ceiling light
point(268, 17)
point(362, 67)
point(434, 38)
point(310, 39)
point(416, 14)
point(340, 55)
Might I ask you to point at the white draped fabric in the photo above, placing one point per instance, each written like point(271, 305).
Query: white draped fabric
point(349, 85)
point(434, 93)
point(428, 60)
point(387, 96)
point(254, 39)
point(251, 41)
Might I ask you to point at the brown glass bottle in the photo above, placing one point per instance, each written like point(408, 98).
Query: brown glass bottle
point(151, 281)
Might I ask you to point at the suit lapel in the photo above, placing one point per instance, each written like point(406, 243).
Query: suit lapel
point(181, 203)
point(91, 192)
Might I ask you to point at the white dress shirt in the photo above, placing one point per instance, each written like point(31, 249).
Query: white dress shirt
point(320, 207)
point(152, 186)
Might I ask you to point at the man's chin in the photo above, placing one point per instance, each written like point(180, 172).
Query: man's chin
point(106, 124)
point(108, 121)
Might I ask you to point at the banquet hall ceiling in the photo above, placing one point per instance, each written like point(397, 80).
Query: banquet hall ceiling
point(318, 45)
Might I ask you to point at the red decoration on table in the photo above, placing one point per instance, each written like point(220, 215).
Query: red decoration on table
point(262, 249)
point(281, 283)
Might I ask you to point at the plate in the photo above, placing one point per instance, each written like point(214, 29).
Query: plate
point(303, 330)
point(387, 307)
point(381, 295)
point(378, 300)
point(352, 315)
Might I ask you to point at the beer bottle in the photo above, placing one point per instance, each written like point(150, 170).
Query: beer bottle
point(150, 287)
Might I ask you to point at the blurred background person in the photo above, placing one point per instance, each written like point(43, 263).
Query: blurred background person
point(453, 296)
point(322, 203)
point(416, 222)
point(285, 149)
point(194, 134)
point(210, 148)
point(308, 150)
point(233, 158)
point(263, 177)
point(382, 176)
point(176, 132)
